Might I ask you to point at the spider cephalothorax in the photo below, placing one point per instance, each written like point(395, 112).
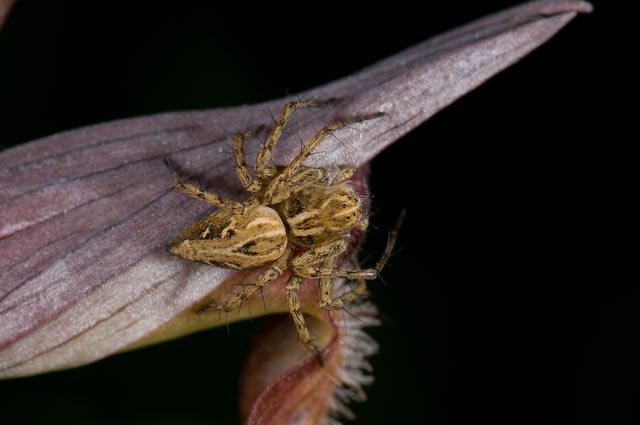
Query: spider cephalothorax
point(295, 220)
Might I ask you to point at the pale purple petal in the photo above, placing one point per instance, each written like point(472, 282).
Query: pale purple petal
point(86, 213)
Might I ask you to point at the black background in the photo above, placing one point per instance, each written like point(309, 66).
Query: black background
point(513, 298)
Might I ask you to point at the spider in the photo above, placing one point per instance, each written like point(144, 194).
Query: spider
point(294, 219)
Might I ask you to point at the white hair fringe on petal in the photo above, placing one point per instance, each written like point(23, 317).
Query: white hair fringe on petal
point(356, 370)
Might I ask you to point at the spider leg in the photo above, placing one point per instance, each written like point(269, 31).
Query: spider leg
point(254, 184)
point(191, 190)
point(304, 263)
point(251, 184)
point(292, 289)
point(264, 154)
point(327, 301)
point(272, 193)
point(346, 298)
point(276, 270)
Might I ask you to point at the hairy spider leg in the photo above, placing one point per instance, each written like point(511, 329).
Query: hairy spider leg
point(291, 292)
point(264, 154)
point(276, 192)
point(193, 191)
point(254, 184)
point(326, 284)
point(248, 182)
point(303, 263)
point(330, 251)
point(275, 271)
point(327, 300)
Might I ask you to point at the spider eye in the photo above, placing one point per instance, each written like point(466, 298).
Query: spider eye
point(344, 206)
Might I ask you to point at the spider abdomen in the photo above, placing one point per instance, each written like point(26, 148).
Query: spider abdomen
point(234, 239)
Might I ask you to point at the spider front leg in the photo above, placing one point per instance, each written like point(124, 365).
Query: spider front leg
point(276, 191)
point(254, 184)
point(264, 154)
point(276, 270)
